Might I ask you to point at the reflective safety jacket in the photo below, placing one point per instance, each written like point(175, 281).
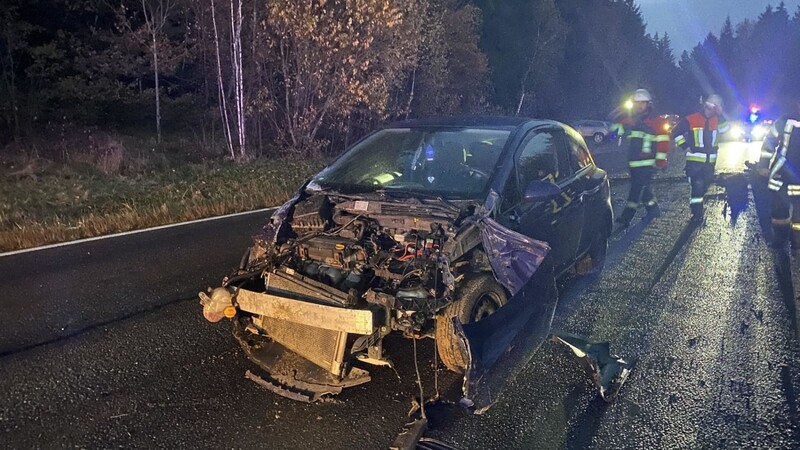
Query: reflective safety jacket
point(648, 143)
point(699, 136)
point(781, 154)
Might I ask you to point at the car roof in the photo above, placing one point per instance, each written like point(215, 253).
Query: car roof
point(471, 121)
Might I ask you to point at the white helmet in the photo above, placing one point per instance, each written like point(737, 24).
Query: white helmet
point(642, 95)
point(714, 101)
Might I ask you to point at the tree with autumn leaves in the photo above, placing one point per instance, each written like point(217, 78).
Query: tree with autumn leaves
point(328, 57)
point(257, 77)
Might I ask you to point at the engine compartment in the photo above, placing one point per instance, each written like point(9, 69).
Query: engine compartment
point(405, 257)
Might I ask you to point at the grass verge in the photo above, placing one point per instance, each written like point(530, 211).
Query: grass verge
point(63, 202)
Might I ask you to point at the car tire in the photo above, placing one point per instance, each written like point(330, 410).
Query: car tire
point(599, 138)
point(478, 297)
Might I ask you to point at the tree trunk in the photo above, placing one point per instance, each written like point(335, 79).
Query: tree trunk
point(158, 91)
point(223, 109)
point(13, 96)
point(411, 95)
point(236, 38)
point(153, 27)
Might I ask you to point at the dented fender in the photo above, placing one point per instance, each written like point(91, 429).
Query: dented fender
point(499, 346)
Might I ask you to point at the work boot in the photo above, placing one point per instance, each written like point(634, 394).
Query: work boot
point(624, 219)
point(697, 212)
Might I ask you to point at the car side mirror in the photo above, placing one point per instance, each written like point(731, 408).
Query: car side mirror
point(541, 191)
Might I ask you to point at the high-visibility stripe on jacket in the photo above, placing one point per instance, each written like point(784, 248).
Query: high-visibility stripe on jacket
point(699, 135)
point(648, 144)
point(781, 154)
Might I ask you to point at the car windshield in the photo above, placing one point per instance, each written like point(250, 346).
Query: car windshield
point(447, 162)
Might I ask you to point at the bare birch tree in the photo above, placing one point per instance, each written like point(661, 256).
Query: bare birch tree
point(156, 13)
point(238, 79)
point(238, 152)
point(223, 107)
point(542, 51)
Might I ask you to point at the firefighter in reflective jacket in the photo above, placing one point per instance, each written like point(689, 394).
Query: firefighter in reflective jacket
point(780, 161)
point(648, 145)
point(698, 134)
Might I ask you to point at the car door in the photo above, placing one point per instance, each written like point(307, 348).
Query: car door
point(569, 208)
point(590, 185)
point(543, 155)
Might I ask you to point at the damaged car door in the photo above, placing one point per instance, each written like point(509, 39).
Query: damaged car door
point(538, 203)
point(556, 219)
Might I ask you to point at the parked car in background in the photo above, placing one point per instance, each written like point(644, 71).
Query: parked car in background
point(596, 130)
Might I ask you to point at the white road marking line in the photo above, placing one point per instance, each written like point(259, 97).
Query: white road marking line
point(127, 233)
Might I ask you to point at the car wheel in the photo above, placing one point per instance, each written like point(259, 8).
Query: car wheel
point(599, 138)
point(595, 260)
point(478, 298)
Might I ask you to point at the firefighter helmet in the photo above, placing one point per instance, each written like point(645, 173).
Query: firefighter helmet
point(714, 101)
point(642, 95)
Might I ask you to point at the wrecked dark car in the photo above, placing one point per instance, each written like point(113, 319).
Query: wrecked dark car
point(452, 229)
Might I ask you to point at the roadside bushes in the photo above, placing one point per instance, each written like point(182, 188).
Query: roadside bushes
point(76, 183)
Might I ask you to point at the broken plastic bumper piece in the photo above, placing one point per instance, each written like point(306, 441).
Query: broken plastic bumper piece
point(606, 371)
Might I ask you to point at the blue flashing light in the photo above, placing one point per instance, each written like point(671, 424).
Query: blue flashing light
point(429, 153)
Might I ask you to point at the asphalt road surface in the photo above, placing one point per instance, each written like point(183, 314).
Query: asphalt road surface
point(103, 345)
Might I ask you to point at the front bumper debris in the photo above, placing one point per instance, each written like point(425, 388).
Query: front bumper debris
point(606, 371)
point(354, 321)
point(300, 344)
point(291, 375)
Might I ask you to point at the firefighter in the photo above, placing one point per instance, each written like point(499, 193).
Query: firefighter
point(780, 162)
point(698, 134)
point(648, 145)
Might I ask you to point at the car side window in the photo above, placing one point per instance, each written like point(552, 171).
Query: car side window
point(564, 167)
point(579, 155)
point(537, 159)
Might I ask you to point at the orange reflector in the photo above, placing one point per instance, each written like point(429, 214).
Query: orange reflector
point(339, 246)
point(230, 312)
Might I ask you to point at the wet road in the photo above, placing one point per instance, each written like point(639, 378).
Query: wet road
point(708, 311)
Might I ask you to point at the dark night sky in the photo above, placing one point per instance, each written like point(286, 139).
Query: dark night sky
point(689, 21)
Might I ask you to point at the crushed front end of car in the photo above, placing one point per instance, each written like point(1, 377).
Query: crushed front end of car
point(398, 235)
point(331, 275)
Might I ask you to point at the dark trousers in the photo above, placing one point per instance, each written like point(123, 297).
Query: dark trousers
point(640, 194)
point(701, 175)
point(786, 216)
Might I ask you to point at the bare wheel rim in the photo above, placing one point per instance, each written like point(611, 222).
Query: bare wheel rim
point(487, 304)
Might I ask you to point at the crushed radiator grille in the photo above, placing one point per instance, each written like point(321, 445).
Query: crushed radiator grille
point(324, 348)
